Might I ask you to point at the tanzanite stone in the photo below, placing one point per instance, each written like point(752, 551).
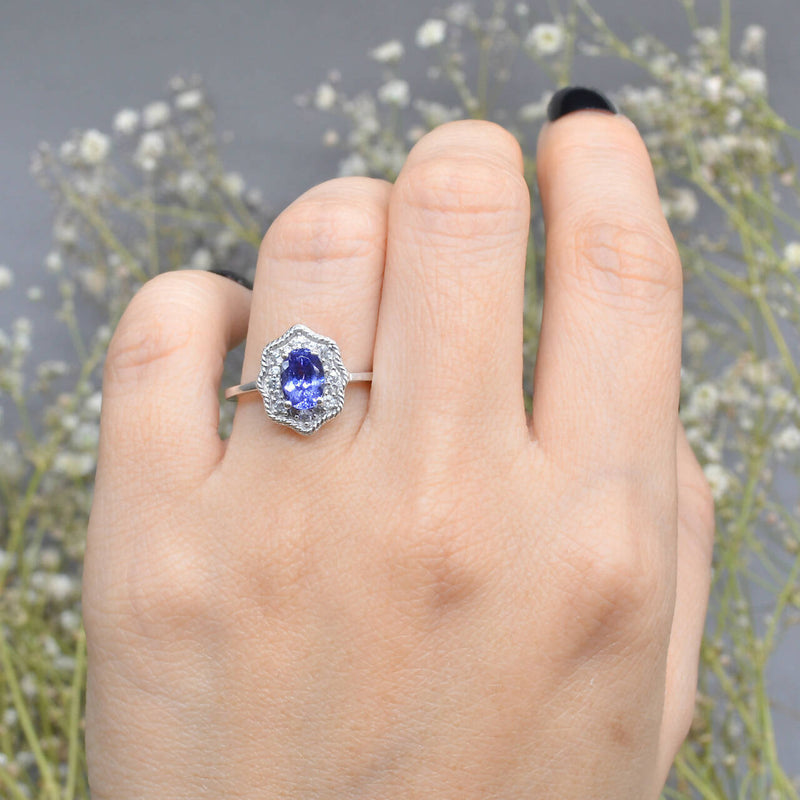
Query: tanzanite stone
point(302, 378)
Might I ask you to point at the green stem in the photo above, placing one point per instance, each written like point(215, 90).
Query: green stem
point(11, 782)
point(483, 78)
point(25, 721)
point(75, 715)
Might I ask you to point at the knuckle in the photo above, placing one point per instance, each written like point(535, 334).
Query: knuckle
point(464, 196)
point(624, 260)
point(160, 320)
point(620, 583)
point(321, 228)
point(440, 563)
point(615, 583)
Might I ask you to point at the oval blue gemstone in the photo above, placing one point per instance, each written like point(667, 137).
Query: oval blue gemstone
point(302, 378)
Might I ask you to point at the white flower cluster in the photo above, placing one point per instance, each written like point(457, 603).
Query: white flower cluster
point(395, 92)
point(94, 147)
point(389, 52)
point(545, 39)
point(431, 33)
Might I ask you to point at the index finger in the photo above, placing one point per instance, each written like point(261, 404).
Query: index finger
point(607, 375)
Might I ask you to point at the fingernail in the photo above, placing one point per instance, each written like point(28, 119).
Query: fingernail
point(226, 273)
point(577, 98)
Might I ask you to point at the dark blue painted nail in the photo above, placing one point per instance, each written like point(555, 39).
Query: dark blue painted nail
point(240, 279)
point(577, 98)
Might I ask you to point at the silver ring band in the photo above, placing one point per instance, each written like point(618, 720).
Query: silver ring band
point(246, 388)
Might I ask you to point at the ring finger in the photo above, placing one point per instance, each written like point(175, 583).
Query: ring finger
point(320, 264)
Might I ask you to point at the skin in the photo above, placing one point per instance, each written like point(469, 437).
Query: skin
point(432, 596)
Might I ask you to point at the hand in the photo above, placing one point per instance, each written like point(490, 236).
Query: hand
point(432, 596)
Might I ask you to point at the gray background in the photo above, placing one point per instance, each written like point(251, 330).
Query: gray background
point(74, 63)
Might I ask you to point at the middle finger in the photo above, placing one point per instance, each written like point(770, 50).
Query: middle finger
point(448, 349)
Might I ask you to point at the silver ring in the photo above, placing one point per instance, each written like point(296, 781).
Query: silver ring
point(302, 379)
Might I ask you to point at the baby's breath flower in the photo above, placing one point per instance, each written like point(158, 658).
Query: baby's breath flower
point(50, 646)
point(753, 40)
point(704, 400)
point(233, 184)
point(94, 280)
point(661, 65)
point(733, 116)
point(64, 663)
point(7, 560)
point(394, 92)
point(781, 400)
point(791, 255)
point(330, 138)
point(74, 465)
point(22, 335)
point(224, 241)
point(788, 438)
point(460, 13)
point(177, 83)
point(34, 293)
point(6, 277)
point(254, 197)
point(151, 148)
point(531, 112)
point(684, 204)
point(12, 467)
point(708, 37)
point(719, 479)
point(190, 100)
point(53, 262)
point(712, 88)
point(93, 403)
point(389, 52)
point(191, 186)
point(697, 342)
point(10, 717)
point(68, 151)
point(27, 684)
point(126, 121)
point(69, 620)
point(436, 114)
point(86, 436)
point(759, 373)
point(753, 80)
point(94, 147)
point(69, 422)
point(50, 557)
point(65, 232)
point(431, 33)
point(202, 259)
point(325, 97)
point(156, 114)
point(545, 39)
point(59, 586)
point(354, 164)
point(641, 46)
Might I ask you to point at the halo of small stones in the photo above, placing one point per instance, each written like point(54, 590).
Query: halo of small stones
point(278, 408)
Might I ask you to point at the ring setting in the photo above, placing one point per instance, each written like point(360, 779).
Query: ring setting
point(302, 379)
